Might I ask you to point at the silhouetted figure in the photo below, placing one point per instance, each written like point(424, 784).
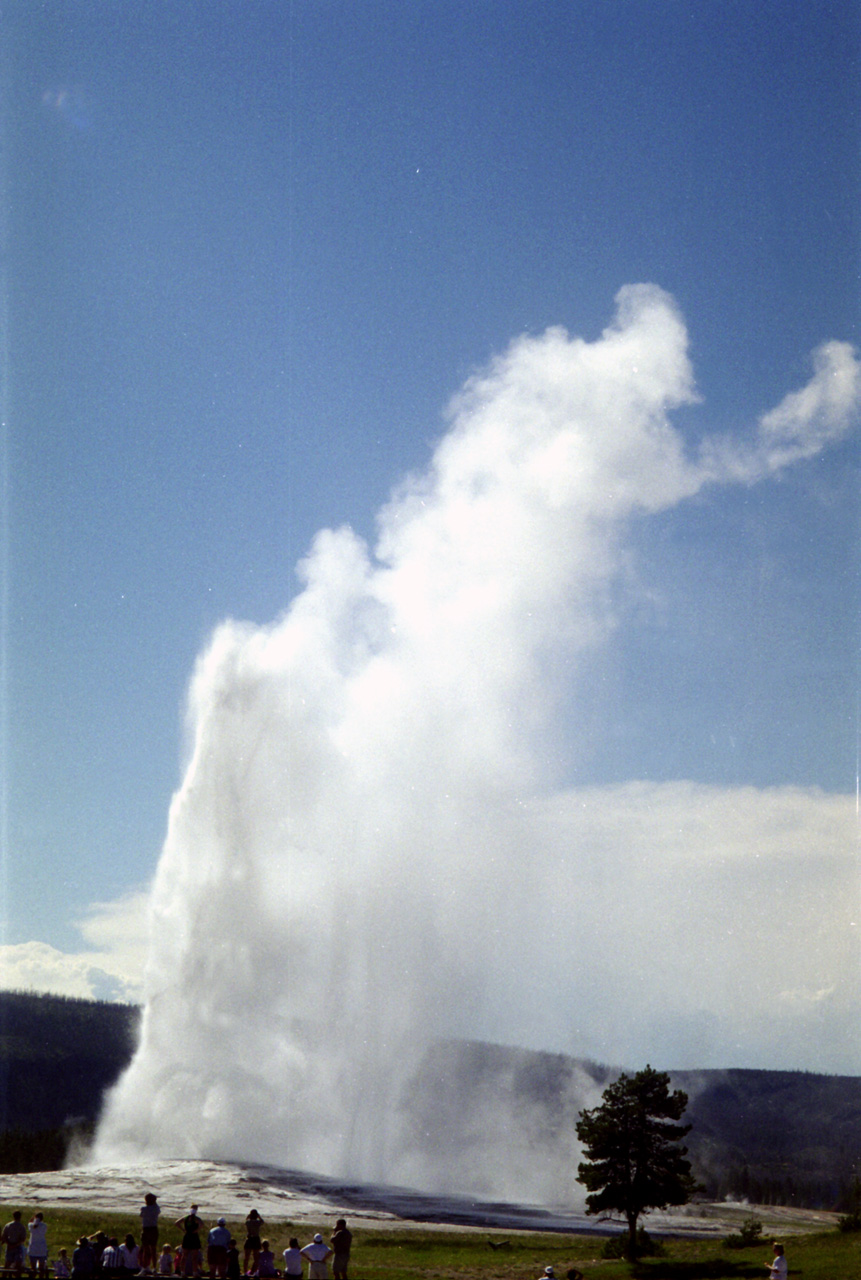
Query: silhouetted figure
point(342, 1240)
point(191, 1247)
point(253, 1226)
point(149, 1216)
point(216, 1248)
point(83, 1260)
point(14, 1235)
point(266, 1262)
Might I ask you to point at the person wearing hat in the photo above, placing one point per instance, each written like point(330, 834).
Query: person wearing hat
point(317, 1252)
point(549, 1274)
point(83, 1260)
point(216, 1249)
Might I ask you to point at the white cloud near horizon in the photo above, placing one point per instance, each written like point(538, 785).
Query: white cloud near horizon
point(110, 969)
point(725, 921)
point(763, 882)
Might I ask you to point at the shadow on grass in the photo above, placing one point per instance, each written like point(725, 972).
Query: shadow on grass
point(711, 1269)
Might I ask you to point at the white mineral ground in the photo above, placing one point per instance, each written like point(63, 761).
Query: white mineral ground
point(281, 1195)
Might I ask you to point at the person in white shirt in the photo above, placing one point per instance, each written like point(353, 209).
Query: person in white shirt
point(129, 1255)
point(317, 1252)
point(38, 1245)
point(777, 1268)
point(293, 1258)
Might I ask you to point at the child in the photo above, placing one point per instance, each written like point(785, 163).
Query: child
point(165, 1262)
point(777, 1267)
point(266, 1262)
point(61, 1266)
point(233, 1261)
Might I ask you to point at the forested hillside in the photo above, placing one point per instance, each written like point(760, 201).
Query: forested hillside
point(57, 1057)
point(772, 1137)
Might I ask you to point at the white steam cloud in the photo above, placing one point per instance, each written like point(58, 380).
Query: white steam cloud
point(366, 853)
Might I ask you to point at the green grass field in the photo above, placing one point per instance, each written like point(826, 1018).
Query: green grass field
point(440, 1254)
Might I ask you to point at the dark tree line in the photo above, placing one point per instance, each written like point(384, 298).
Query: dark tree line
point(35, 1151)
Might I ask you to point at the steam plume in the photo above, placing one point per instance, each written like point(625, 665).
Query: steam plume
point(366, 852)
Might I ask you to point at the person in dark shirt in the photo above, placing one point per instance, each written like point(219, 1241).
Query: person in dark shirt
point(191, 1246)
point(83, 1260)
point(14, 1235)
point(341, 1242)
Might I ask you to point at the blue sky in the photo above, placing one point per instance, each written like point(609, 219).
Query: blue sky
point(252, 251)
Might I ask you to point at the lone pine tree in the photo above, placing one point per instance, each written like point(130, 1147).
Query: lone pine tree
point(634, 1158)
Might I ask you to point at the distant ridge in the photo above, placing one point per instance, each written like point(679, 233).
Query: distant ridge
point(772, 1137)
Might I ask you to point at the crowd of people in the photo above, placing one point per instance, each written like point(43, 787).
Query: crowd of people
point(102, 1257)
point(201, 1251)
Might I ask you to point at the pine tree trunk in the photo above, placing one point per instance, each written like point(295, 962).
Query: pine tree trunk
point(632, 1236)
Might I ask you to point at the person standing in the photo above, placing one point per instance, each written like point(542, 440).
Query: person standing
point(316, 1252)
point(149, 1233)
point(14, 1235)
point(37, 1248)
point(777, 1268)
point(342, 1240)
point(253, 1226)
point(216, 1249)
point(191, 1247)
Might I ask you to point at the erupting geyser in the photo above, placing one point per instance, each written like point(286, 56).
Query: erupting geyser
point(366, 854)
